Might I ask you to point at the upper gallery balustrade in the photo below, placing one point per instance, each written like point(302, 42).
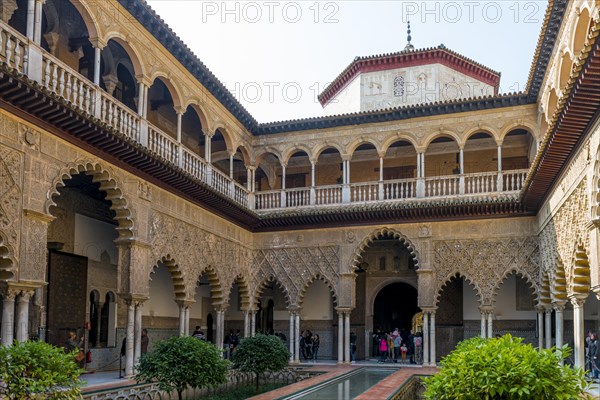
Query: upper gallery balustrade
point(103, 82)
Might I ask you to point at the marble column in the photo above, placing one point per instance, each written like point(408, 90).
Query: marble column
point(138, 330)
point(540, 317)
point(246, 324)
point(490, 324)
point(559, 309)
point(220, 328)
point(30, 18)
point(37, 22)
point(252, 322)
point(483, 319)
point(425, 338)
point(129, 341)
point(578, 331)
point(8, 317)
point(181, 319)
point(187, 320)
point(548, 333)
point(23, 315)
point(347, 337)
point(340, 337)
point(97, 63)
point(291, 343)
point(296, 337)
point(432, 355)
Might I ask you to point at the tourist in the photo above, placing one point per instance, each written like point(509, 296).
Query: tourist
point(145, 341)
point(594, 353)
point(316, 342)
point(352, 347)
point(302, 344)
point(410, 347)
point(308, 345)
point(418, 344)
point(397, 344)
point(390, 346)
point(72, 345)
point(383, 348)
point(198, 334)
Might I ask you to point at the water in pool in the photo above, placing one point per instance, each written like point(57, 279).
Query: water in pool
point(345, 387)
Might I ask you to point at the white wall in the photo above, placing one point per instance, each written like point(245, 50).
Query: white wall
point(318, 302)
point(93, 237)
point(202, 291)
point(347, 100)
point(162, 296)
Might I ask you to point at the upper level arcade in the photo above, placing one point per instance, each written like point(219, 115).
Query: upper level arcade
point(106, 82)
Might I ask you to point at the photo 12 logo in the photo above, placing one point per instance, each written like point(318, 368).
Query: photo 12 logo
point(472, 11)
point(253, 12)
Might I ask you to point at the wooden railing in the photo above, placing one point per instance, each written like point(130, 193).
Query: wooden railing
point(61, 80)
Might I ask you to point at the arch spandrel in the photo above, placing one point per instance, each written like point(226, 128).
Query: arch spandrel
point(178, 276)
point(366, 242)
point(8, 263)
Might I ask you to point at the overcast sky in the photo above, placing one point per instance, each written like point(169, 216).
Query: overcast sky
point(277, 56)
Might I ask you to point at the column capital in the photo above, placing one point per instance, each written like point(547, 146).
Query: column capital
point(487, 309)
point(25, 296)
point(342, 310)
point(429, 310)
point(578, 300)
point(185, 303)
point(179, 110)
point(559, 305)
point(381, 153)
point(98, 43)
point(143, 80)
point(133, 299)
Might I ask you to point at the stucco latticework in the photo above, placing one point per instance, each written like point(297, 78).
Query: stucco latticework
point(486, 263)
point(295, 268)
point(11, 170)
point(360, 250)
point(198, 252)
point(565, 241)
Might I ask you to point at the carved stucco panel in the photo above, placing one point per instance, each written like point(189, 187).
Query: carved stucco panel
point(11, 183)
point(485, 263)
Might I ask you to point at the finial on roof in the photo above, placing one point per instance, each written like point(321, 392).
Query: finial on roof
point(409, 46)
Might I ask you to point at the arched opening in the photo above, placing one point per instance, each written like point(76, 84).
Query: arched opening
point(298, 170)
point(317, 320)
point(82, 260)
point(192, 136)
point(328, 168)
point(514, 308)
point(364, 164)
point(108, 321)
point(219, 151)
point(480, 154)
point(441, 157)
point(272, 316)
point(565, 70)
point(239, 302)
point(456, 314)
point(518, 150)
point(161, 310)
point(385, 260)
point(395, 306)
point(552, 103)
point(268, 172)
point(210, 333)
point(584, 23)
point(204, 304)
point(399, 170)
point(117, 74)
point(161, 108)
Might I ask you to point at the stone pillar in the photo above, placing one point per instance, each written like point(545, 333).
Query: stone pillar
point(347, 337)
point(425, 338)
point(220, 334)
point(187, 320)
point(291, 341)
point(461, 181)
point(37, 22)
point(141, 97)
point(181, 319)
point(30, 18)
point(548, 332)
point(483, 319)
point(297, 336)
point(559, 308)
point(499, 184)
point(420, 189)
point(8, 317)
point(138, 304)
point(246, 324)
point(97, 63)
point(490, 324)
point(540, 317)
point(231, 166)
point(23, 315)
point(129, 341)
point(283, 196)
point(252, 322)
point(432, 355)
point(578, 330)
point(340, 337)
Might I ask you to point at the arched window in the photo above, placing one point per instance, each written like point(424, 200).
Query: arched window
point(94, 315)
point(108, 322)
point(399, 86)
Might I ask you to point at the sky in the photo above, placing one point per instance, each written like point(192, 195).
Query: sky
point(277, 56)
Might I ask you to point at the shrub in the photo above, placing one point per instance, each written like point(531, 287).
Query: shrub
point(179, 362)
point(37, 370)
point(259, 354)
point(505, 369)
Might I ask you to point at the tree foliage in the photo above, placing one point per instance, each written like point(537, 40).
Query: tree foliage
point(259, 354)
point(37, 370)
point(179, 362)
point(505, 369)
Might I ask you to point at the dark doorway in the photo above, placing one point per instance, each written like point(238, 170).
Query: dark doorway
point(395, 306)
point(209, 328)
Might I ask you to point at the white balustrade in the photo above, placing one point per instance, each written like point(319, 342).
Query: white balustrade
point(399, 189)
point(328, 195)
point(485, 182)
point(442, 186)
point(365, 191)
point(297, 197)
point(268, 199)
point(220, 182)
point(240, 194)
point(13, 48)
point(65, 82)
point(194, 165)
point(513, 180)
point(162, 144)
point(119, 116)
